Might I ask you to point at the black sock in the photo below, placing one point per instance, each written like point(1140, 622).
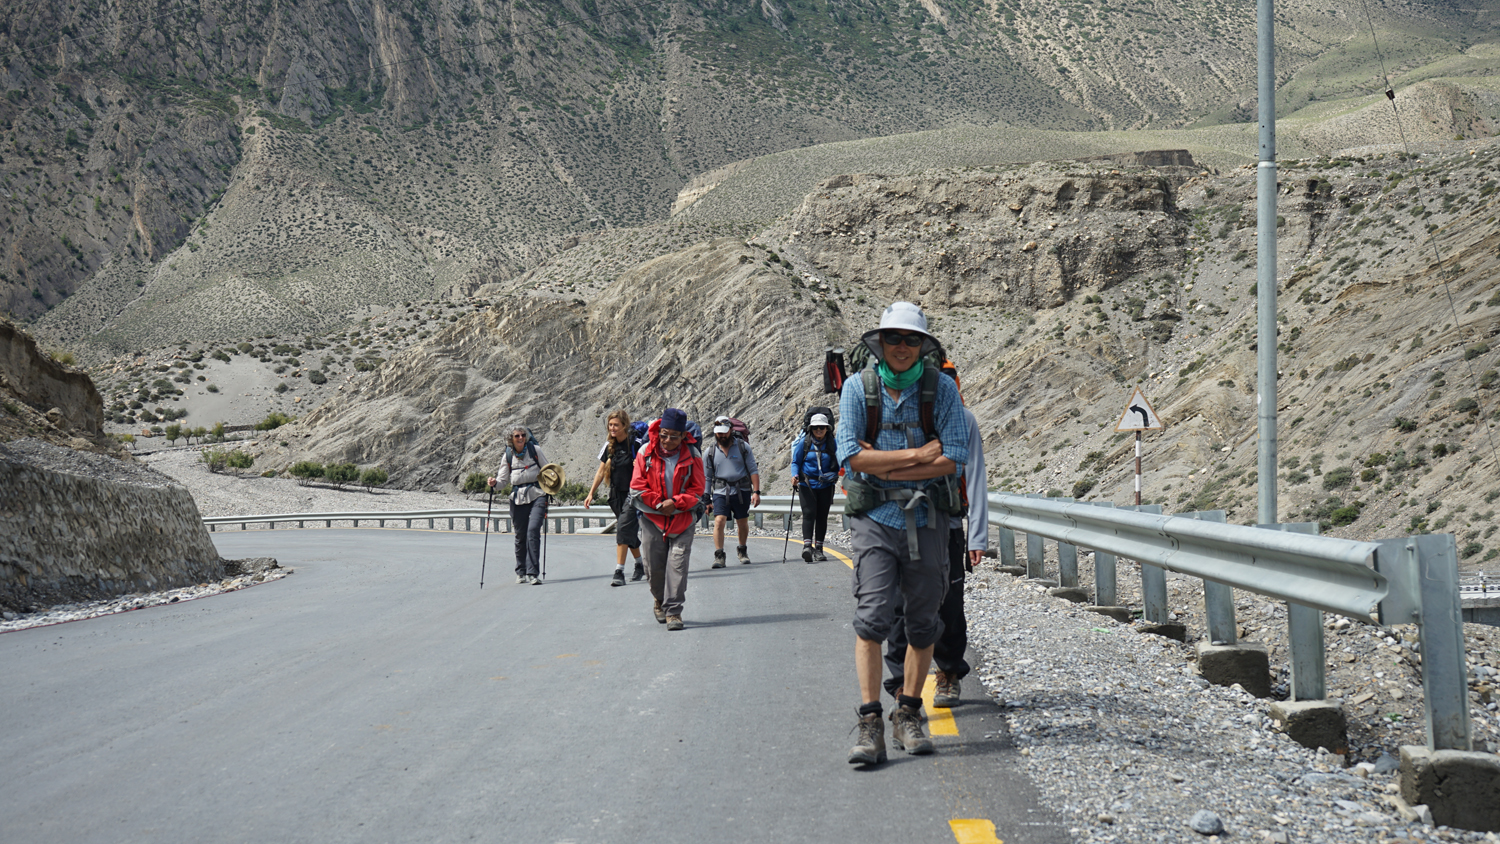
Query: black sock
point(908, 701)
point(873, 708)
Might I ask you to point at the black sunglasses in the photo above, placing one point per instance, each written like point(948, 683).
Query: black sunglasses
point(891, 338)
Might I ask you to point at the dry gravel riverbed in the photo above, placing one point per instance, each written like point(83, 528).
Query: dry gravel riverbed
point(1122, 737)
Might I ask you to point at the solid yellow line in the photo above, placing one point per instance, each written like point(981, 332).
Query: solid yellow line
point(939, 718)
point(847, 561)
point(974, 831)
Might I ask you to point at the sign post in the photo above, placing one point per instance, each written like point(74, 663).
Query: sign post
point(1138, 416)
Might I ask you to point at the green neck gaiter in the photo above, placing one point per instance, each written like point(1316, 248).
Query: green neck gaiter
point(899, 380)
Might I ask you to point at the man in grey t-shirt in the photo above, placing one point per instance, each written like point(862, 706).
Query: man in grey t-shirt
point(734, 482)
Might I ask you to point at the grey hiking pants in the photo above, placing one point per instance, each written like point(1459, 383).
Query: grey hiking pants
point(527, 520)
point(886, 577)
point(666, 560)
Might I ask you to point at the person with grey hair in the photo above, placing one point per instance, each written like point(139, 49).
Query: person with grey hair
point(520, 469)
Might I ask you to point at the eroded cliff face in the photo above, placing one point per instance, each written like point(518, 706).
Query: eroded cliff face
point(45, 399)
point(712, 329)
point(1023, 238)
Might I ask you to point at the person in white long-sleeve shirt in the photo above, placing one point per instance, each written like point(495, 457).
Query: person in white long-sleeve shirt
point(520, 469)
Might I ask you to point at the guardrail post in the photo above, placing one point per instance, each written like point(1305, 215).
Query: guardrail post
point(507, 525)
point(1153, 580)
point(242, 525)
point(380, 522)
point(408, 524)
point(572, 525)
point(1441, 632)
point(328, 523)
point(760, 520)
point(1218, 599)
point(1006, 539)
point(212, 528)
point(1067, 565)
point(430, 523)
point(270, 525)
point(467, 525)
point(1036, 565)
point(300, 524)
point(1304, 631)
point(1106, 589)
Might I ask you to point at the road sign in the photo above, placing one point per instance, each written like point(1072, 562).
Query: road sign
point(1139, 415)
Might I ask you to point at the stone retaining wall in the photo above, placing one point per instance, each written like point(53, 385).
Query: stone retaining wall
point(76, 526)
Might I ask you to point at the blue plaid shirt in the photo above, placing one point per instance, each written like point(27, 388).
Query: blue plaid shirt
point(952, 430)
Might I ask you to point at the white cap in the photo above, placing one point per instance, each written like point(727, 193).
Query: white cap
point(722, 428)
point(904, 316)
point(819, 420)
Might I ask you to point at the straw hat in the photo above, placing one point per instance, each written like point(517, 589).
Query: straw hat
point(551, 479)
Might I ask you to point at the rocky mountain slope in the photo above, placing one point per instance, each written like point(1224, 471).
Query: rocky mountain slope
point(1058, 287)
point(220, 170)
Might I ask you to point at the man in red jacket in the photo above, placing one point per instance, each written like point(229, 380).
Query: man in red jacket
point(667, 482)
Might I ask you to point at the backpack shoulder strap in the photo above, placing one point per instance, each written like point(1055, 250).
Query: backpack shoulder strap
point(927, 408)
point(872, 404)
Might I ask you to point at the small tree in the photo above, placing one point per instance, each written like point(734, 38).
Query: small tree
point(240, 460)
point(373, 477)
point(200, 432)
point(217, 434)
point(174, 433)
point(216, 460)
point(305, 471)
point(339, 474)
point(274, 420)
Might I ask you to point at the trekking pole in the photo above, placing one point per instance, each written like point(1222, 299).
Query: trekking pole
point(786, 542)
point(544, 542)
point(485, 556)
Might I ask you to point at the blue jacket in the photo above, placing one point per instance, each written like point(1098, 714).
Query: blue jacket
point(818, 467)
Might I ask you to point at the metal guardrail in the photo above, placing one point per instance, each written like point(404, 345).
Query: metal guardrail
point(1405, 580)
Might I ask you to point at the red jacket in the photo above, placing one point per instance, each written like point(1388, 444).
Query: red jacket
point(687, 482)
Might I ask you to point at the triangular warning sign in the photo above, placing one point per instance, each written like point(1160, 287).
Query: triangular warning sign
point(1139, 415)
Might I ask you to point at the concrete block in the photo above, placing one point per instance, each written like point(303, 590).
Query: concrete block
point(1017, 571)
point(1313, 723)
point(1461, 788)
point(1246, 663)
point(1124, 615)
point(1048, 582)
point(1071, 593)
point(1170, 629)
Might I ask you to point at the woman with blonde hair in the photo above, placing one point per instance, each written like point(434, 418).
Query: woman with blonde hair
point(616, 461)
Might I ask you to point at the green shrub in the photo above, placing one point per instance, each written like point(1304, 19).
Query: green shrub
point(1466, 406)
point(1368, 475)
point(1475, 351)
point(240, 460)
point(1346, 515)
point(305, 471)
point(316, 376)
point(275, 420)
point(282, 387)
point(476, 483)
point(373, 477)
point(216, 460)
point(217, 434)
point(173, 433)
point(1470, 550)
point(1338, 478)
point(1404, 425)
point(1083, 486)
point(339, 474)
point(572, 491)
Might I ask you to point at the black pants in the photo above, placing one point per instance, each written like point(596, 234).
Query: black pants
point(953, 642)
point(815, 504)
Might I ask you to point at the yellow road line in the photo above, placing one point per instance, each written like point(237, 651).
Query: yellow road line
point(973, 831)
point(939, 718)
point(846, 560)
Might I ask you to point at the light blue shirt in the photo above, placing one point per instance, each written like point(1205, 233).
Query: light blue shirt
point(948, 418)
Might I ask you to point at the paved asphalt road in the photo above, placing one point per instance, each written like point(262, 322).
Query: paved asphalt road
point(378, 694)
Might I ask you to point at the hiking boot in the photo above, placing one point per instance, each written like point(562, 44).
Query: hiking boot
point(744, 552)
point(640, 572)
point(946, 693)
point(674, 622)
point(869, 749)
point(718, 559)
point(907, 733)
point(661, 614)
point(618, 579)
point(522, 579)
point(534, 580)
point(807, 554)
point(819, 555)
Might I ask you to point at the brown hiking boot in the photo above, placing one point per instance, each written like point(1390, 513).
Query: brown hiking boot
point(674, 622)
point(907, 733)
point(869, 749)
point(946, 693)
point(661, 614)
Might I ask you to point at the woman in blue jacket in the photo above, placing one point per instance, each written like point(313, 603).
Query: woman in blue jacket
point(815, 474)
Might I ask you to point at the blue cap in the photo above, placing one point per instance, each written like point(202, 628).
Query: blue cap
point(673, 419)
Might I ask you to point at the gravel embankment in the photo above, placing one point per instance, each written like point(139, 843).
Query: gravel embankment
point(1122, 737)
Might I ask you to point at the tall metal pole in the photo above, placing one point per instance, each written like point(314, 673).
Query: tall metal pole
point(1265, 281)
